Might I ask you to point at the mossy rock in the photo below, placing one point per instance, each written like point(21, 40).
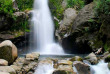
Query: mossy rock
point(8, 51)
point(76, 58)
point(107, 59)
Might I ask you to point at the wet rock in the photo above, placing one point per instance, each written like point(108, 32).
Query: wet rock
point(4, 73)
point(3, 62)
point(62, 72)
point(92, 58)
point(81, 67)
point(27, 68)
point(7, 69)
point(32, 56)
point(84, 15)
point(8, 51)
point(107, 58)
point(46, 62)
point(19, 62)
point(65, 25)
point(16, 68)
point(76, 58)
point(64, 62)
point(109, 65)
point(15, 6)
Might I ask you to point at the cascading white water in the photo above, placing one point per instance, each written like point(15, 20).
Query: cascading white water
point(100, 68)
point(43, 29)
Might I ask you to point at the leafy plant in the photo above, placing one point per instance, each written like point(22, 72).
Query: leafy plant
point(6, 7)
point(25, 4)
point(77, 4)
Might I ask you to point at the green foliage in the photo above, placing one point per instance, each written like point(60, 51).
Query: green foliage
point(77, 4)
point(6, 7)
point(57, 10)
point(25, 4)
point(102, 7)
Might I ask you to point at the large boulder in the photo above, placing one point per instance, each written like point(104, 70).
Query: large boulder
point(84, 15)
point(8, 51)
point(81, 67)
point(66, 24)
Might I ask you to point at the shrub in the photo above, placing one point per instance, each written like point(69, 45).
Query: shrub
point(6, 7)
point(25, 4)
point(77, 4)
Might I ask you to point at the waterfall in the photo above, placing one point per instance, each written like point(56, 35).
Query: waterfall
point(43, 29)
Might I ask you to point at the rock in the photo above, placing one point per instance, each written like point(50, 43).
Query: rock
point(4, 73)
point(64, 69)
point(107, 58)
point(46, 62)
point(8, 69)
point(15, 6)
point(64, 4)
point(62, 72)
point(64, 62)
point(84, 15)
point(32, 56)
point(3, 62)
point(92, 58)
point(20, 14)
point(20, 62)
point(27, 68)
point(109, 65)
point(76, 58)
point(65, 25)
point(8, 51)
point(16, 68)
point(81, 67)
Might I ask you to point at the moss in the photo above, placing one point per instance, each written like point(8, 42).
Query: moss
point(107, 59)
point(6, 53)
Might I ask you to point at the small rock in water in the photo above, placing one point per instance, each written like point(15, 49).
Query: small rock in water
point(32, 56)
point(3, 62)
point(92, 58)
point(64, 62)
point(81, 67)
point(76, 58)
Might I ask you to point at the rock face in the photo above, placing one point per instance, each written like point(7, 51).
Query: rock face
point(65, 25)
point(15, 6)
point(3, 62)
point(84, 15)
point(92, 58)
point(8, 51)
point(81, 67)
